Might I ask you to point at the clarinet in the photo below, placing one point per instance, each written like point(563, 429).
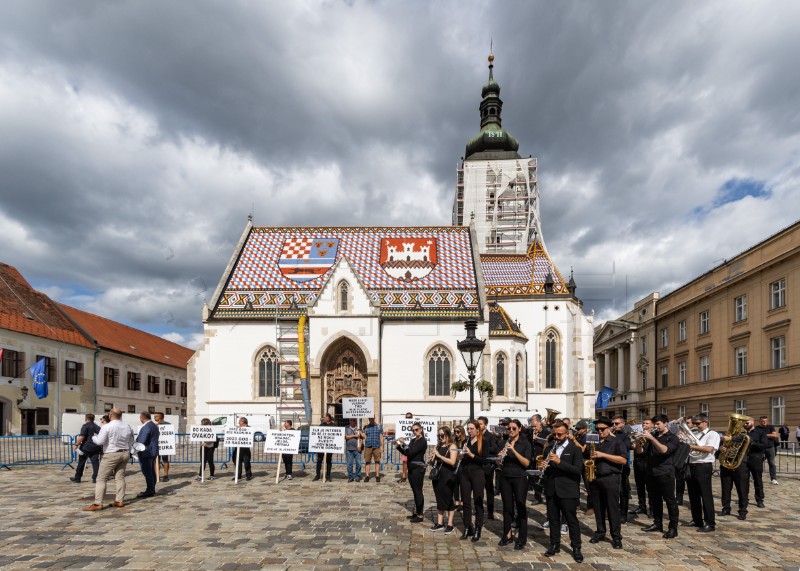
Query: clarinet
point(546, 459)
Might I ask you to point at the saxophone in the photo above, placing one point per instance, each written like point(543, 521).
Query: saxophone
point(588, 466)
point(732, 453)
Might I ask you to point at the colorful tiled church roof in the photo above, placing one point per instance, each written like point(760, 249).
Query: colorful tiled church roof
point(521, 274)
point(405, 270)
point(501, 324)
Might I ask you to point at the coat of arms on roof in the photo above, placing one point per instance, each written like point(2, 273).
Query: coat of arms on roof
point(408, 259)
point(306, 258)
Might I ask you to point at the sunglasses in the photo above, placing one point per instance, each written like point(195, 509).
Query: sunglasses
point(417, 430)
point(513, 428)
point(603, 428)
point(441, 435)
point(617, 423)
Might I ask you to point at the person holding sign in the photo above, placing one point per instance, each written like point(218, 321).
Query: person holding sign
point(158, 418)
point(246, 454)
point(353, 438)
point(287, 458)
point(327, 420)
point(148, 437)
point(415, 452)
point(208, 449)
point(445, 456)
point(473, 480)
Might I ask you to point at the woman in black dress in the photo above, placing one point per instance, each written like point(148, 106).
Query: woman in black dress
point(415, 452)
point(459, 438)
point(444, 456)
point(516, 457)
point(473, 479)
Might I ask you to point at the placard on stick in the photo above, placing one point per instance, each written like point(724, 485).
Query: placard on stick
point(326, 439)
point(166, 440)
point(238, 437)
point(359, 407)
point(402, 427)
point(282, 442)
point(202, 433)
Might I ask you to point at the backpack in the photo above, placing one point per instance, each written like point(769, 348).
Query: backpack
point(681, 456)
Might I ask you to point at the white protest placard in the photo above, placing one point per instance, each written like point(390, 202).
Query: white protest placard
point(166, 440)
point(361, 407)
point(402, 427)
point(202, 433)
point(238, 437)
point(282, 442)
point(326, 439)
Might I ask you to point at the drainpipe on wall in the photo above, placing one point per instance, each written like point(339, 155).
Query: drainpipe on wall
point(94, 403)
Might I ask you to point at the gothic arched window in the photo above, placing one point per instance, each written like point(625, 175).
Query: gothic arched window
point(519, 372)
point(343, 290)
point(551, 361)
point(269, 372)
point(439, 372)
point(500, 375)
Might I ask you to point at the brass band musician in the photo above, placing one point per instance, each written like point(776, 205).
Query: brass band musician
point(609, 457)
point(661, 472)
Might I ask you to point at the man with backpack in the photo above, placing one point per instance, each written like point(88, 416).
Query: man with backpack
point(87, 449)
point(661, 473)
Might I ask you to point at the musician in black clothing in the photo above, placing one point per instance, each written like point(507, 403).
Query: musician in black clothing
point(562, 480)
point(492, 442)
point(661, 472)
point(622, 431)
point(739, 477)
point(755, 458)
point(579, 439)
point(415, 452)
point(473, 480)
point(516, 457)
point(641, 462)
point(539, 433)
point(609, 457)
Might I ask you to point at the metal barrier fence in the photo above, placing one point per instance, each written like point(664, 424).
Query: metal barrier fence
point(35, 450)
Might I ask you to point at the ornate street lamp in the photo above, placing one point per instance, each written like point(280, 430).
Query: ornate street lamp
point(471, 350)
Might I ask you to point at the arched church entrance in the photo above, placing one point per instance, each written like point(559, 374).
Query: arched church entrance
point(344, 375)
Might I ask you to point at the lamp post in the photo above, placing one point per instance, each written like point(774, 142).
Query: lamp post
point(471, 350)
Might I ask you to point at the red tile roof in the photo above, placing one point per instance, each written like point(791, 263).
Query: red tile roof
point(127, 340)
point(25, 310)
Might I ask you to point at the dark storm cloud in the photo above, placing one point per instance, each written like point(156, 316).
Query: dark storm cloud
point(144, 133)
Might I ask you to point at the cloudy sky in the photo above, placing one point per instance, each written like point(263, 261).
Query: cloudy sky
point(137, 136)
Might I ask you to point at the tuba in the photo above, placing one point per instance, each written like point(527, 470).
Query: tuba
point(551, 416)
point(732, 453)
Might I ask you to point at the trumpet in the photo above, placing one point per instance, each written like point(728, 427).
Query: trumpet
point(640, 436)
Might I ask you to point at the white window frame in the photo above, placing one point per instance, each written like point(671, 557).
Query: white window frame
point(704, 408)
point(740, 360)
point(682, 330)
point(777, 294)
point(681, 411)
point(682, 373)
point(777, 346)
point(740, 406)
point(664, 377)
point(740, 308)
point(705, 322)
point(777, 406)
point(705, 368)
point(664, 337)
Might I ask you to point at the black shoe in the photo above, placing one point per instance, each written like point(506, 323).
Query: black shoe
point(467, 533)
point(639, 511)
point(536, 501)
point(477, 535)
point(519, 545)
point(742, 516)
point(623, 519)
point(597, 538)
point(725, 511)
point(706, 528)
point(671, 533)
point(505, 541)
point(490, 515)
point(577, 555)
point(316, 478)
point(616, 543)
point(349, 479)
point(76, 480)
point(691, 523)
point(554, 548)
point(411, 516)
point(680, 500)
point(94, 480)
point(165, 479)
point(759, 504)
point(654, 527)
point(248, 478)
point(417, 519)
point(437, 527)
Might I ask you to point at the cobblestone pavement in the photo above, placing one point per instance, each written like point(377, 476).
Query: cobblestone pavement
point(301, 524)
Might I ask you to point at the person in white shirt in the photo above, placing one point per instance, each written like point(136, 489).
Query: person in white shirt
point(116, 438)
point(701, 466)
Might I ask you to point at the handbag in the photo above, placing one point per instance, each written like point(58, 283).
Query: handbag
point(436, 471)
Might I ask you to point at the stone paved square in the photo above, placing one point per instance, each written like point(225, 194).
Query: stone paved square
point(301, 524)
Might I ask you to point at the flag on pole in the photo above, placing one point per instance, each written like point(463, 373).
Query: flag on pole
point(39, 379)
point(603, 397)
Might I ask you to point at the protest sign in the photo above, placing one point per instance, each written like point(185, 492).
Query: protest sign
point(238, 437)
point(326, 439)
point(202, 433)
point(166, 440)
point(363, 407)
point(282, 442)
point(402, 428)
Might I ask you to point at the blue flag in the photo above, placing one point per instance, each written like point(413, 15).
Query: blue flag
point(603, 397)
point(39, 379)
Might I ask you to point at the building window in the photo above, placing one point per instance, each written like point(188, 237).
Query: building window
point(518, 371)
point(778, 352)
point(664, 378)
point(343, 291)
point(439, 372)
point(704, 408)
point(644, 344)
point(740, 406)
point(500, 375)
point(108, 406)
point(777, 292)
point(664, 410)
point(778, 406)
point(682, 330)
point(74, 373)
point(183, 412)
point(169, 387)
point(551, 361)
point(13, 363)
point(269, 371)
point(184, 389)
point(168, 410)
point(49, 367)
point(705, 368)
point(682, 373)
point(664, 337)
point(134, 381)
point(644, 380)
point(110, 377)
point(681, 411)
point(151, 409)
point(153, 384)
point(705, 324)
point(740, 308)
point(131, 409)
point(42, 416)
point(740, 359)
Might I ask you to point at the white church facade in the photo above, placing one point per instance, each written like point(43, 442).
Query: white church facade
point(306, 316)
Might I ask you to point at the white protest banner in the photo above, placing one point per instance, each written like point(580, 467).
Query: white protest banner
point(362, 407)
point(402, 427)
point(166, 440)
point(326, 439)
point(238, 437)
point(202, 433)
point(282, 442)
